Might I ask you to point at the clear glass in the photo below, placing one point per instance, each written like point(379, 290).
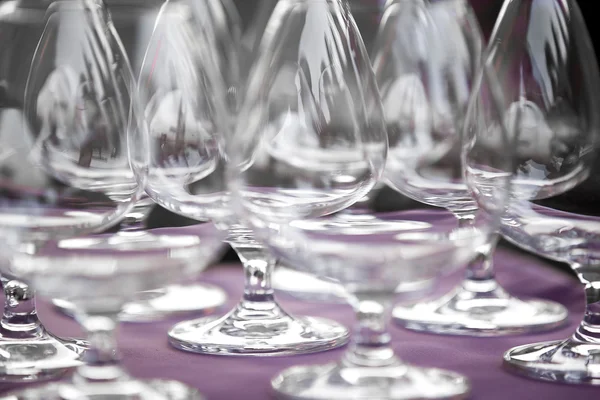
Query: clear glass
point(427, 54)
point(334, 119)
point(134, 21)
point(80, 104)
point(552, 89)
point(189, 121)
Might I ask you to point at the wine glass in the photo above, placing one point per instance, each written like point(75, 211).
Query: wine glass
point(552, 88)
point(184, 100)
point(425, 63)
point(336, 117)
point(134, 22)
point(367, 15)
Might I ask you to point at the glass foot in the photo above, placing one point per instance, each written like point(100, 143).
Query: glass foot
point(337, 381)
point(152, 305)
point(121, 390)
point(41, 358)
point(476, 311)
point(258, 329)
point(566, 361)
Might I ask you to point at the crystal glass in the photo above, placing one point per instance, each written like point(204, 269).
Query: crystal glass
point(367, 15)
point(425, 63)
point(339, 155)
point(552, 89)
point(189, 122)
point(134, 21)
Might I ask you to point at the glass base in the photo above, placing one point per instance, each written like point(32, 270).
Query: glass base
point(174, 300)
point(41, 358)
point(258, 329)
point(480, 312)
point(566, 361)
point(122, 390)
point(340, 382)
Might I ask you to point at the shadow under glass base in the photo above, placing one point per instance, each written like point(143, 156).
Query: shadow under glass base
point(258, 329)
point(470, 312)
point(566, 361)
point(41, 358)
point(173, 300)
point(340, 382)
point(122, 390)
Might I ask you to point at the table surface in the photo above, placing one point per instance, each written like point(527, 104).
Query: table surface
point(148, 355)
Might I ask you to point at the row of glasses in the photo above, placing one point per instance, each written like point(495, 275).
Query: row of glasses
point(325, 143)
point(542, 57)
point(79, 122)
point(490, 310)
point(328, 109)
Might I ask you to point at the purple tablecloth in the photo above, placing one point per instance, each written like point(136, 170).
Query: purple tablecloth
point(148, 355)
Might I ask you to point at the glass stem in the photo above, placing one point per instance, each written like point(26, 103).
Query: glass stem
point(258, 264)
point(258, 269)
point(19, 320)
point(102, 359)
point(589, 329)
point(480, 276)
point(371, 340)
point(258, 301)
